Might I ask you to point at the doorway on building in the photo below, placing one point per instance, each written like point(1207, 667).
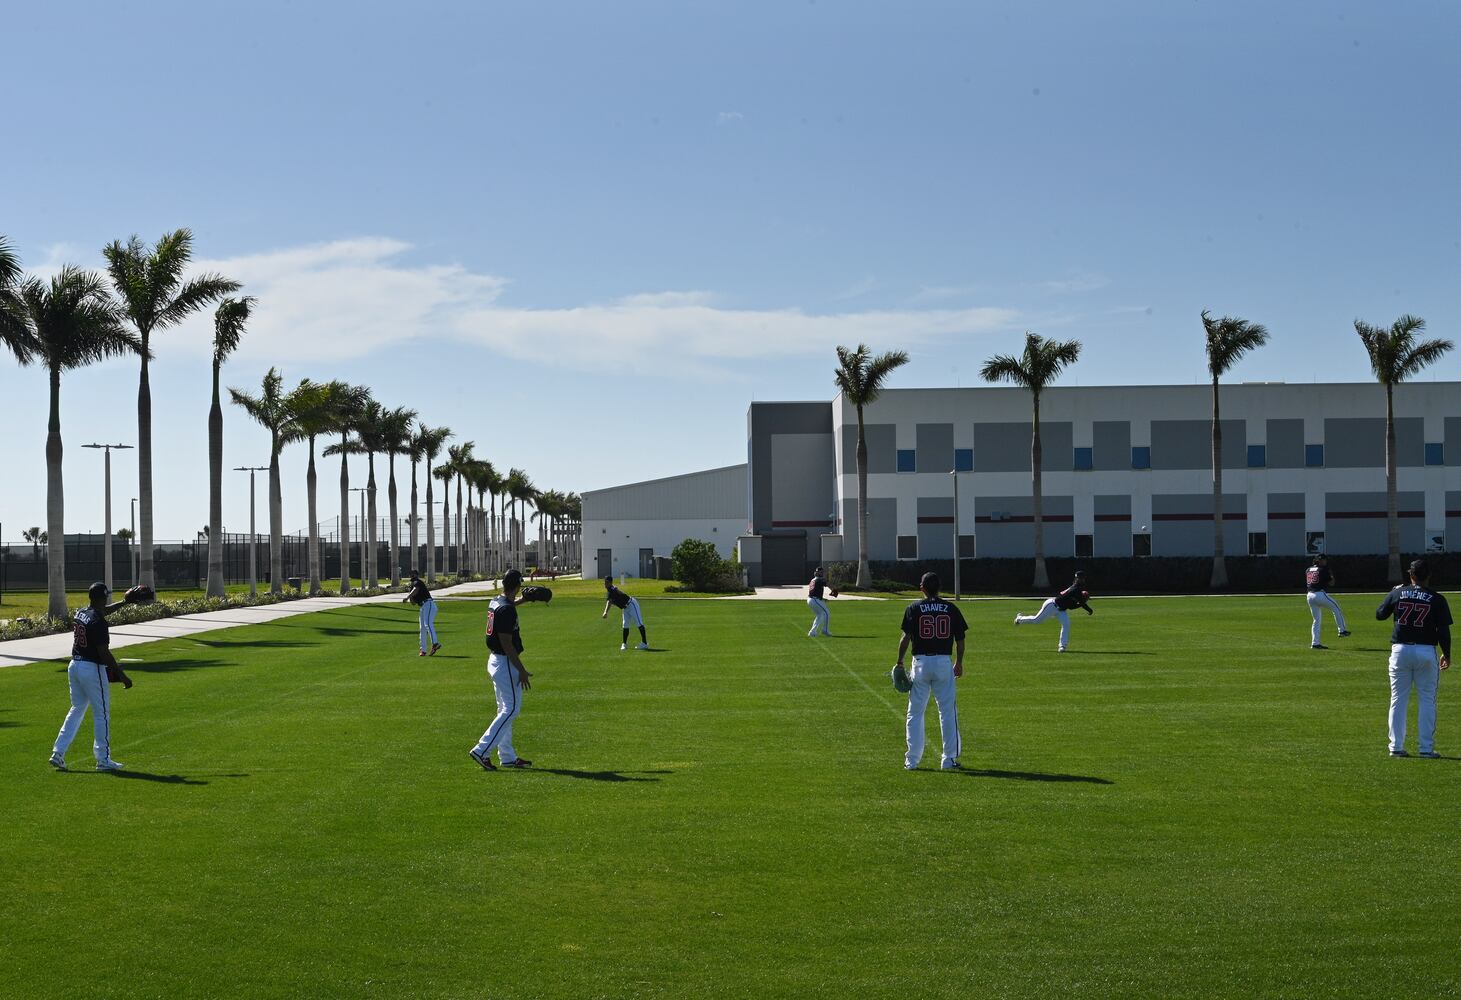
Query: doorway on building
point(606, 563)
point(646, 564)
point(783, 559)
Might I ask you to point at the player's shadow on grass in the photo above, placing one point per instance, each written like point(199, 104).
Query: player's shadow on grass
point(165, 779)
point(253, 643)
point(567, 772)
point(1083, 779)
point(1108, 652)
point(169, 666)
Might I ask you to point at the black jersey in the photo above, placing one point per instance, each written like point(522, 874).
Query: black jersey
point(90, 635)
point(502, 621)
point(1318, 578)
point(933, 626)
point(618, 598)
point(1422, 617)
point(815, 588)
point(419, 594)
point(1071, 597)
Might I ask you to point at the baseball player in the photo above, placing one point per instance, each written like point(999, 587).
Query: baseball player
point(821, 617)
point(1072, 597)
point(421, 597)
point(631, 614)
point(509, 676)
point(1318, 580)
point(934, 628)
point(1422, 622)
point(92, 663)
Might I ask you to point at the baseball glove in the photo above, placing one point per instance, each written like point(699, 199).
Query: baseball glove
point(901, 683)
point(115, 674)
point(140, 594)
point(833, 591)
point(531, 594)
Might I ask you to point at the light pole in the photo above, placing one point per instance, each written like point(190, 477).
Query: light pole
point(107, 547)
point(362, 491)
point(253, 537)
point(954, 474)
point(132, 542)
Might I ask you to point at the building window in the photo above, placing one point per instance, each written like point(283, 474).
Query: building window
point(1141, 544)
point(1258, 543)
point(907, 460)
point(963, 459)
point(1435, 454)
point(1257, 456)
point(907, 546)
point(1314, 456)
point(1084, 461)
point(966, 546)
point(1141, 457)
point(1314, 542)
point(1085, 546)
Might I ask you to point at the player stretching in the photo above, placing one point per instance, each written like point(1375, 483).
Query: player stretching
point(90, 673)
point(421, 597)
point(933, 627)
point(1422, 622)
point(631, 614)
point(509, 676)
point(1318, 579)
point(1072, 597)
point(821, 617)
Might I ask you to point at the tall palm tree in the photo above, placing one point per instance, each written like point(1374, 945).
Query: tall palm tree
point(154, 296)
point(1396, 355)
point(520, 489)
point(395, 431)
point(445, 472)
point(1228, 339)
point(228, 326)
point(458, 455)
point(347, 419)
point(860, 377)
point(432, 440)
point(316, 408)
point(1041, 362)
point(271, 410)
point(369, 428)
point(496, 483)
point(68, 322)
point(14, 336)
point(483, 476)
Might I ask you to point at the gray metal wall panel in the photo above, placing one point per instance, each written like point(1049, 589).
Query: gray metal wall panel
point(763, 421)
point(882, 447)
point(1363, 531)
point(1452, 443)
point(1285, 444)
point(1285, 533)
point(1453, 515)
point(1117, 504)
point(716, 493)
point(1111, 445)
point(1182, 524)
point(935, 447)
point(1187, 444)
point(1354, 443)
point(1409, 443)
point(936, 538)
point(1016, 538)
point(802, 467)
point(1057, 446)
point(1005, 447)
point(1113, 526)
point(882, 529)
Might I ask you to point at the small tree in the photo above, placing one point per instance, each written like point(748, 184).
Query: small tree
point(699, 566)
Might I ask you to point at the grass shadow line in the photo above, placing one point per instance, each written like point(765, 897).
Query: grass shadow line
point(1083, 779)
point(612, 776)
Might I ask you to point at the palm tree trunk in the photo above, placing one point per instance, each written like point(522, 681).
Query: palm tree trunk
point(1392, 505)
point(1042, 578)
point(55, 507)
point(864, 573)
point(311, 483)
point(461, 530)
point(1219, 564)
point(370, 528)
point(144, 472)
point(344, 517)
point(430, 529)
point(276, 523)
point(415, 559)
point(445, 527)
point(215, 493)
point(395, 525)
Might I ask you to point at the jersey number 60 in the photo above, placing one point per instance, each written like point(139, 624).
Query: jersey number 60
point(934, 627)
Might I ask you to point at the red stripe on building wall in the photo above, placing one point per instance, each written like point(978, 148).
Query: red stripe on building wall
point(1113, 517)
point(932, 519)
point(1197, 517)
point(1346, 514)
point(1025, 519)
point(1286, 516)
point(801, 524)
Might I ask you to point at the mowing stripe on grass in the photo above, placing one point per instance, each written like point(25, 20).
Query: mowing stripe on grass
point(861, 680)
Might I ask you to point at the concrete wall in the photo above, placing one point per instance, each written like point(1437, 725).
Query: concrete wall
point(660, 514)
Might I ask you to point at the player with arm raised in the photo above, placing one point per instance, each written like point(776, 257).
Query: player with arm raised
point(1072, 597)
point(509, 676)
point(933, 628)
point(1318, 580)
point(1422, 622)
point(631, 615)
point(92, 669)
point(420, 595)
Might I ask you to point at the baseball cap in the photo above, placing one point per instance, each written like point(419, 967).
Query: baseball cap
point(98, 589)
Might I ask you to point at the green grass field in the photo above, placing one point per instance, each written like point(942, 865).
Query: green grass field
point(1189, 804)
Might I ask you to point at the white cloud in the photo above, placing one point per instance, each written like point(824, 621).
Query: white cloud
point(941, 293)
point(726, 117)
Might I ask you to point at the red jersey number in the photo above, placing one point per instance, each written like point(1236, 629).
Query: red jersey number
point(489, 621)
point(80, 634)
point(934, 627)
point(1412, 613)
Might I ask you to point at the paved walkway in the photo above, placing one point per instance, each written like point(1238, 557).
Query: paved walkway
point(58, 647)
point(791, 592)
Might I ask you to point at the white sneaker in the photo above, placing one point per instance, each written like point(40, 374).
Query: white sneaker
point(642, 645)
point(1017, 619)
point(108, 765)
point(1060, 649)
point(622, 647)
point(57, 761)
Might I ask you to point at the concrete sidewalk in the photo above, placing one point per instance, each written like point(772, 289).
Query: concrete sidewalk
point(58, 646)
point(790, 592)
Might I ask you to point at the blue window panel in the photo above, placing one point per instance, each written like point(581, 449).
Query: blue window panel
point(907, 460)
point(1435, 454)
point(1084, 459)
point(1257, 456)
point(1141, 457)
point(963, 459)
point(1314, 456)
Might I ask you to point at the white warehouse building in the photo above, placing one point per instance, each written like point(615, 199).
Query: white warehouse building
point(1126, 472)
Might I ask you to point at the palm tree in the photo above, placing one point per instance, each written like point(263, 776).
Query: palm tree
point(36, 537)
point(154, 296)
point(316, 408)
point(432, 439)
point(483, 476)
point(68, 322)
point(228, 326)
point(271, 410)
point(496, 483)
point(13, 333)
point(519, 488)
point(1035, 369)
point(1395, 356)
point(860, 377)
point(369, 430)
point(1228, 339)
point(458, 455)
point(395, 438)
point(444, 472)
point(347, 418)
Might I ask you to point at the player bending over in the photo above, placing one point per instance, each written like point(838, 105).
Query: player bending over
point(426, 619)
point(631, 614)
point(821, 617)
point(1072, 597)
point(1318, 580)
point(934, 628)
point(1422, 622)
point(509, 676)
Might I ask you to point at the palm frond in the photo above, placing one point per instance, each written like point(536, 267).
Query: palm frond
point(9, 263)
point(268, 408)
point(1422, 355)
point(194, 295)
point(860, 376)
point(1228, 339)
point(71, 321)
point(1004, 368)
point(228, 326)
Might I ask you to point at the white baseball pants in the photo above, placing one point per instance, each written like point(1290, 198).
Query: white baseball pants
point(1046, 610)
point(821, 617)
point(509, 703)
point(1418, 666)
point(932, 675)
point(1318, 601)
point(88, 689)
point(633, 617)
point(427, 620)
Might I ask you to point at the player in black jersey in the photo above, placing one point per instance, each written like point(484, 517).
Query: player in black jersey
point(1072, 597)
point(1317, 581)
point(92, 663)
point(630, 614)
point(1422, 622)
point(420, 596)
point(821, 617)
point(934, 628)
point(509, 676)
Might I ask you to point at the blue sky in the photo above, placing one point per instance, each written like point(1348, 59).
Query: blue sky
point(586, 235)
